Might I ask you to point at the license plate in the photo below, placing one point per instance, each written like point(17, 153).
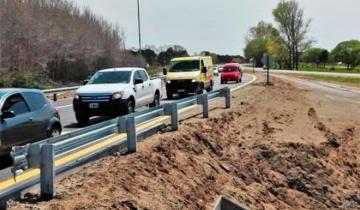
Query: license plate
point(94, 106)
point(181, 91)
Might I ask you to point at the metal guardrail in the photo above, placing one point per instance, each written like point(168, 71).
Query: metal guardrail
point(43, 154)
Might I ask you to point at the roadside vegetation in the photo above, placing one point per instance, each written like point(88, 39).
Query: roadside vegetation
point(290, 47)
point(345, 80)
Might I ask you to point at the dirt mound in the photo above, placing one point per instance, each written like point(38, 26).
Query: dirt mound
point(264, 155)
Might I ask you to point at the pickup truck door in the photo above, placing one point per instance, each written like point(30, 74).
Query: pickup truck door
point(149, 91)
point(139, 90)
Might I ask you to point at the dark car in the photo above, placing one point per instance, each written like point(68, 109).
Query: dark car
point(26, 115)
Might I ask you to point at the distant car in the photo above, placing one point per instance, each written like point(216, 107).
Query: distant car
point(231, 72)
point(26, 115)
point(216, 71)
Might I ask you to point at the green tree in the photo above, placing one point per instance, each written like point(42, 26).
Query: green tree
point(347, 52)
point(256, 49)
point(257, 41)
point(293, 28)
point(316, 55)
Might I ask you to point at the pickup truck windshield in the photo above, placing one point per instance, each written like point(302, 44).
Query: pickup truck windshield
point(110, 77)
point(181, 66)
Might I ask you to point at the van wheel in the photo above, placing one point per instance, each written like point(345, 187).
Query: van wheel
point(54, 132)
point(82, 119)
point(156, 101)
point(210, 88)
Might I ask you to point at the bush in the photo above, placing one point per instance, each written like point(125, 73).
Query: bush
point(23, 81)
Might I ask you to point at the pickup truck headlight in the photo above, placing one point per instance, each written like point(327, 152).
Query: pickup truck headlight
point(194, 80)
point(117, 95)
point(168, 81)
point(77, 97)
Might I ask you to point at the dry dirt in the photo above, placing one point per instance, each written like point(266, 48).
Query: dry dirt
point(279, 147)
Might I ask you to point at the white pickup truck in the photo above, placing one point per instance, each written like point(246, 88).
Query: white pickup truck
point(114, 92)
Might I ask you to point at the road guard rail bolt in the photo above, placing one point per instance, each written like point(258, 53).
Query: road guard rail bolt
point(131, 134)
point(203, 99)
point(172, 110)
point(47, 171)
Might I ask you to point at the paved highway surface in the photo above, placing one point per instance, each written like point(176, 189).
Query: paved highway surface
point(68, 116)
point(69, 122)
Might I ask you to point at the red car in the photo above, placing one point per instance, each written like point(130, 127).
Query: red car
point(231, 72)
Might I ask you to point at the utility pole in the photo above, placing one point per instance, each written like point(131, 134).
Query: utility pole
point(139, 25)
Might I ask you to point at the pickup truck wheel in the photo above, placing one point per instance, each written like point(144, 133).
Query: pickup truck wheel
point(130, 107)
point(156, 101)
point(82, 118)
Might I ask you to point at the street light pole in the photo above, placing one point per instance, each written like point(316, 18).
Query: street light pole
point(139, 25)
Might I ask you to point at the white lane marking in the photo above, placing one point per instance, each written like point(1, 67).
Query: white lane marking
point(65, 106)
point(246, 84)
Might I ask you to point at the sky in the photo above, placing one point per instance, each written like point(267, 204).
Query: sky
point(220, 26)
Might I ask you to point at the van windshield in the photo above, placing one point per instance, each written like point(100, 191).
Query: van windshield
point(111, 77)
point(181, 66)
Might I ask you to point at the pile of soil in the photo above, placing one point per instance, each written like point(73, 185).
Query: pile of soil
point(279, 147)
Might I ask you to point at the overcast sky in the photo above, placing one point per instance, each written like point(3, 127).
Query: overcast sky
point(220, 26)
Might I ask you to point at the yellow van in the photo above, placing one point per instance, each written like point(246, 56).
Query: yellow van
point(189, 75)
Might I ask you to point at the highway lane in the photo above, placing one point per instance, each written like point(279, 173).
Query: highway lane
point(69, 122)
point(68, 116)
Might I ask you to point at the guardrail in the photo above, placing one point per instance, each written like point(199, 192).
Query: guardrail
point(43, 155)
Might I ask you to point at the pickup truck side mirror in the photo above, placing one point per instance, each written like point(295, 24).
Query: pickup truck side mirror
point(138, 81)
point(85, 82)
point(7, 115)
point(164, 71)
point(204, 70)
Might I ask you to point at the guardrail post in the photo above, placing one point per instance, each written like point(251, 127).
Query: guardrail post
point(226, 93)
point(122, 124)
point(172, 110)
point(131, 134)
point(55, 96)
point(47, 171)
point(203, 99)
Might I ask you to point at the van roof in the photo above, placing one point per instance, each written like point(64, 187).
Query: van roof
point(187, 58)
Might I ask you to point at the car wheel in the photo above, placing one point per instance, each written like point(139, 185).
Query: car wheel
point(54, 132)
point(130, 107)
point(240, 80)
point(82, 119)
point(156, 101)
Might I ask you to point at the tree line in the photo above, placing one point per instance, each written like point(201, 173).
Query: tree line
point(161, 56)
point(288, 42)
point(44, 41)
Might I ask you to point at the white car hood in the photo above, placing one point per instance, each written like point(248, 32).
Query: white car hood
point(101, 88)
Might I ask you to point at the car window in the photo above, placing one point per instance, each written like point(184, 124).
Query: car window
point(36, 101)
point(15, 103)
point(144, 76)
point(137, 75)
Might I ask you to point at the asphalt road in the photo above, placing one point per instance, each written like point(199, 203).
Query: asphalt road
point(69, 122)
point(68, 116)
